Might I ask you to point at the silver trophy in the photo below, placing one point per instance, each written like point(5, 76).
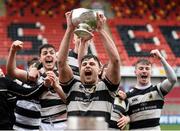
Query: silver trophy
point(85, 21)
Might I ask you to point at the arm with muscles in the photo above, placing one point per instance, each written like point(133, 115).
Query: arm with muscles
point(52, 80)
point(168, 83)
point(82, 50)
point(113, 69)
point(65, 72)
point(11, 67)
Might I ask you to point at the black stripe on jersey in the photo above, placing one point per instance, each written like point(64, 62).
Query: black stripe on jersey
point(149, 105)
point(67, 85)
point(75, 70)
point(110, 86)
point(113, 124)
point(27, 113)
point(56, 114)
point(106, 115)
point(26, 126)
point(50, 102)
point(136, 91)
point(144, 123)
point(72, 54)
point(97, 96)
point(119, 109)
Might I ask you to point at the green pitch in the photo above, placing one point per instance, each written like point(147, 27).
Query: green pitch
point(170, 127)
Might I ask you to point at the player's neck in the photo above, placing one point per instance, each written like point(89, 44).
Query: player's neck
point(142, 87)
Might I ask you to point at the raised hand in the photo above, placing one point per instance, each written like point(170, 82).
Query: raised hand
point(156, 54)
point(33, 74)
point(101, 20)
point(69, 20)
point(17, 45)
point(51, 79)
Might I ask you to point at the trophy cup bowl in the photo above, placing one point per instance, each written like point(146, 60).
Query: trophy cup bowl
point(85, 21)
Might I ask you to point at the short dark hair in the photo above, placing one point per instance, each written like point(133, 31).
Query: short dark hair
point(32, 61)
point(89, 56)
point(143, 61)
point(45, 46)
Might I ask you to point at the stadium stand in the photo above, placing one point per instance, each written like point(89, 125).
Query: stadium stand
point(137, 27)
point(37, 22)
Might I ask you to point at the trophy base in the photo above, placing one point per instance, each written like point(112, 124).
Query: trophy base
point(83, 33)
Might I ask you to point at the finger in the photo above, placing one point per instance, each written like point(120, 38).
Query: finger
point(120, 123)
point(123, 127)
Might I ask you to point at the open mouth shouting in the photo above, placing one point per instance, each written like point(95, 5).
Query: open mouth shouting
point(49, 61)
point(144, 76)
point(88, 72)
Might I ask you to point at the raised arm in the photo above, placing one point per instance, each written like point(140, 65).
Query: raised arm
point(113, 69)
point(65, 72)
point(168, 83)
point(11, 67)
point(83, 49)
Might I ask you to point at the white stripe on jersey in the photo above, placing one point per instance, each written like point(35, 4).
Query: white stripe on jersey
point(29, 105)
point(52, 110)
point(93, 106)
point(144, 98)
point(73, 61)
point(27, 121)
point(100, 87)
point(143, 115)
point(50, 95)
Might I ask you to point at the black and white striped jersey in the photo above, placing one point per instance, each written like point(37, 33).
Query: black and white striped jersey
point(51, 104)
point(73, 63)
point(145, 107)
point(89, 100)
point(120, 107)
point(27, 112)
point(10, 91)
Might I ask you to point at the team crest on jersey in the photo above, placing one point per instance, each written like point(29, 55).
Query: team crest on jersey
point(150, 96)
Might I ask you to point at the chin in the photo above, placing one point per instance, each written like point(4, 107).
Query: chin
point(144, 84)
point(89, 82)
point(49, 68)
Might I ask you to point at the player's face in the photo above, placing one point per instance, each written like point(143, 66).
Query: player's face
point(143, 74)
point(48, 58)
point(89, 71)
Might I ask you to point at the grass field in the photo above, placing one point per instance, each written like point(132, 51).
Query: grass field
point(170, 127)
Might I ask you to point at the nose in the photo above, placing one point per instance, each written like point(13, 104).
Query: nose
point(88, 65)
point(48, 54)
